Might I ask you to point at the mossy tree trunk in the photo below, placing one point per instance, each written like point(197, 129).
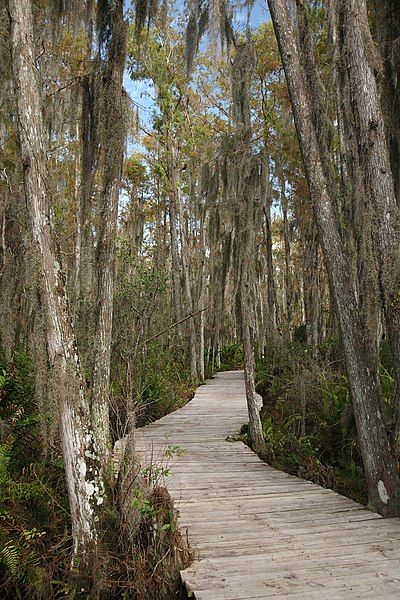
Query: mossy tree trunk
point(255, 428)
point(369, 127)
point(387, 19)
point(113, 141)
point(380, 468)
point(79, 448)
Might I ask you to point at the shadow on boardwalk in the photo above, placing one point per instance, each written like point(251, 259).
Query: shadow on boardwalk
point(257, 532)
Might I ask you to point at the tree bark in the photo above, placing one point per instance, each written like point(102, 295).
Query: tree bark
point(75, 288)
point(357, 210)
point(202, 296)
point(272, 318)
point(79, 448)
point(173, 210)
point(387, 16)
point(188, 295)
point(113, 143)
point(311, 279)
point(380, 469)
point(369, 126)
point(173, 225)
point(286, 245)
point(255, 428)
point(89, 142)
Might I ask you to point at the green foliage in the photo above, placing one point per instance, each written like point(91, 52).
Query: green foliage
point(33, 499)
point(165, 385)
point(295, 454)
point(307, 417)
point(143, 505)
point(135, 170)
point(231, 357)
point(154, 473)
point(142, 561)
point(174, 450)
point(150, 376)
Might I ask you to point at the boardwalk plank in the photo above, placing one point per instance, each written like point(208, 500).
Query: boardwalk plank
point(257, 532)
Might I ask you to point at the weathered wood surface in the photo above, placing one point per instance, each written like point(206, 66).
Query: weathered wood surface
point(258, 532)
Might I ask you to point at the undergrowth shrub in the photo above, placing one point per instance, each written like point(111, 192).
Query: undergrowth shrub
point(166, 385)
point(160, 385)
point(150, 541)
point(137, 560)
point(34, 513)
point(307, 416)
point(231, 357)
point(150, 374)
point(142, 549)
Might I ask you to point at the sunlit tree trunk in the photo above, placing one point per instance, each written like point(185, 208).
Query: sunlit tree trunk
point(202, 297)
point(79, 448)
point(255, 428)
point(78, 231)
point(89, 151)
point(173, 213)
point(369, 127)
point(286, 244)
point(176, 285)
point(380, 469)
point(273, 319)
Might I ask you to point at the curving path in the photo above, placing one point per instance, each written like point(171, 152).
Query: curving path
point(258, 532)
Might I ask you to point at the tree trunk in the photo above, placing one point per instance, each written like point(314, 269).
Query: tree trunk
point(255, 428)
point(357, 209)
point(173, 225)
point(113, 143)
point(202, 297)
point(78, 232)
point(369, 127)
point(79, 448)
point(173, 213)
point(380, 469)
point(311, 279)
point(320, 113)
point(188, 295)
point(272, 317)
point(286, 245)
point(387, 16)
point(89, 137)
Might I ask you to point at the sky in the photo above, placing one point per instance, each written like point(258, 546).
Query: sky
point(141, 92)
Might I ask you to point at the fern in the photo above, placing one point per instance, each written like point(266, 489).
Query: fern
point(3, 378)
point(4, 462)
point(10, 558)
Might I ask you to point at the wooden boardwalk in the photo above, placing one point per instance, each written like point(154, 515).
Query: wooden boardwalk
point(258, 532)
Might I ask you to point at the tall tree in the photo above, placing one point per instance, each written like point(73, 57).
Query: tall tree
point(112, 41)
point(84, 482)
point(387, 31)
point(380, 468)
point(246, 184)
point(369, 128)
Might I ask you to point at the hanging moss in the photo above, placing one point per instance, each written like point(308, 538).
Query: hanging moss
point(242, 70)
point(212, 17)
point(145, 12)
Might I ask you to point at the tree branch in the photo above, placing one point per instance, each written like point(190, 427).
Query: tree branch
point(175, 325)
